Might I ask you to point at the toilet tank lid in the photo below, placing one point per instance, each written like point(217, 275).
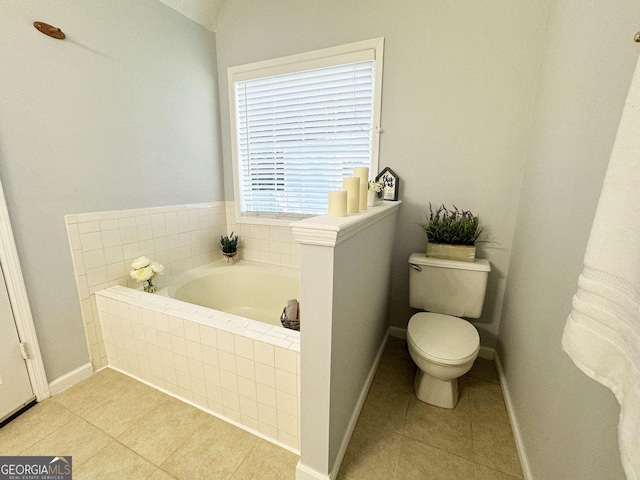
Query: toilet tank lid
point(420, 258)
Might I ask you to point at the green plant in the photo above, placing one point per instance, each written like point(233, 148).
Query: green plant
point(452, 226)
point(229, 243)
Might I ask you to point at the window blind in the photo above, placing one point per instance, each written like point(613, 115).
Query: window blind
point(298, 134)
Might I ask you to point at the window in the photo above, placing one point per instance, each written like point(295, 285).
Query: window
point(301, 123)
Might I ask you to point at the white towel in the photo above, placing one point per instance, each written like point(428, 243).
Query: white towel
point(602, 334)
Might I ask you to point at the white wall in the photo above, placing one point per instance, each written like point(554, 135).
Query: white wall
point(568, 422)
point(122, 114)
point(458, 87)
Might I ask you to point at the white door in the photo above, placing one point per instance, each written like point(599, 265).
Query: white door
point(15, 387)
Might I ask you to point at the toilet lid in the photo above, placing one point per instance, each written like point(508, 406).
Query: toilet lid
point(443, 338)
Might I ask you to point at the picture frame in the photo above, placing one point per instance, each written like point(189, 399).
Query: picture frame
point(390, 181)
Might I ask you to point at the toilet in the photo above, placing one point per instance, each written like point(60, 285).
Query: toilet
point(443, 345)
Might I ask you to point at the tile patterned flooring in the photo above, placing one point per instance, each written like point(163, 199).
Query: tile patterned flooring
point(116, 427)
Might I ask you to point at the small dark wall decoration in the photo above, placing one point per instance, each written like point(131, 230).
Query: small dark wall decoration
point(390, 181)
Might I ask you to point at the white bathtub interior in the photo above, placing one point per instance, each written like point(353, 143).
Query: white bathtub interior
point(247, 289)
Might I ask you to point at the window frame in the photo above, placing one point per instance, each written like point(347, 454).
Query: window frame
point(299, 62)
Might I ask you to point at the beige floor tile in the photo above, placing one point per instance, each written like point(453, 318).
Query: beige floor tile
point(486, 473)
point(484, 369)
point(32, 426)
point(372, 454)
point(159, 433)
point(213, 452)
point(421, 461)
point(385, 407)
point(90, 391)
point(447, 429)
point(396, 368)
point(77, 439)
point(161, 475)
point(267, 461)
point(114, 461)
point(494, 446)
point(115, 406)
point(487, 401)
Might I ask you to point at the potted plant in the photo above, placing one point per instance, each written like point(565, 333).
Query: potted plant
point(452, 234)
point(229, 245)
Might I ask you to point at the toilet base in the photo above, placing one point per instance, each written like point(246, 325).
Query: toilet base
point(436, 392)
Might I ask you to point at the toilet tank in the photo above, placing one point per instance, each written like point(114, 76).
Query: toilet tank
point(448, 286)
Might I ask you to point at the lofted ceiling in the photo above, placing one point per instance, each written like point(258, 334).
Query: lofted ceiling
point(204, 12)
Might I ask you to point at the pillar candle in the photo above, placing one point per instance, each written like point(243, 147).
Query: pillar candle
point(363, 174)
point(352, 186)
point(338, 203)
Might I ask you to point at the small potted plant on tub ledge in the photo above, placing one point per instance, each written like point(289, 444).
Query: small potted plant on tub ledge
point(229, 245)
point(452, 234)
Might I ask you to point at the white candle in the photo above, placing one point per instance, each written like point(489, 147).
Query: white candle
point(352, 187)
point(363, 174)
point(338, 203)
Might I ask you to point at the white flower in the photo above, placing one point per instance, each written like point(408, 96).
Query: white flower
point(142, 274)
point(140, 262)
point(376, 186)
point(157, 267)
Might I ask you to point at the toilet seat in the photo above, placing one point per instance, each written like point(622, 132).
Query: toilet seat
point(443, 339)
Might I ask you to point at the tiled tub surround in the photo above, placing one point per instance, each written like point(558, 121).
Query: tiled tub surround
point(265, 243)
point(238, 369)
point(181, 237)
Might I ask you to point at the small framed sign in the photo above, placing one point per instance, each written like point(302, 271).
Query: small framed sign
point(390, 181)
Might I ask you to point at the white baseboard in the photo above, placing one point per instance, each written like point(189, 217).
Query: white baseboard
point(398, 332)
point(487, 353)
point(304, 472)
point(60, 384)
point(515, 426)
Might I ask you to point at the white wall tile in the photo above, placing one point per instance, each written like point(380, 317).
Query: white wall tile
point(227, 362)
point(265, 375)
point(285, 359)
point(230, 400)
point(286, 382)
point(268, 415)
point(247, 388)
point(226, 341)
point(243, 347)
point(266, 395)
point(264, 353)
point(245, 368)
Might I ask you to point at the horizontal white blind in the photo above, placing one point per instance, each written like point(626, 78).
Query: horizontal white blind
point(299, 134)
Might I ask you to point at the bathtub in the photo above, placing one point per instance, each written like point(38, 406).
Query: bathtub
point(246, 289)
point(202, 339)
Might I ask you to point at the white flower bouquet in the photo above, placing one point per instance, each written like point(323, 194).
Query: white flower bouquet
point(376, 187)
point(375, 193)
point(144, 270)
